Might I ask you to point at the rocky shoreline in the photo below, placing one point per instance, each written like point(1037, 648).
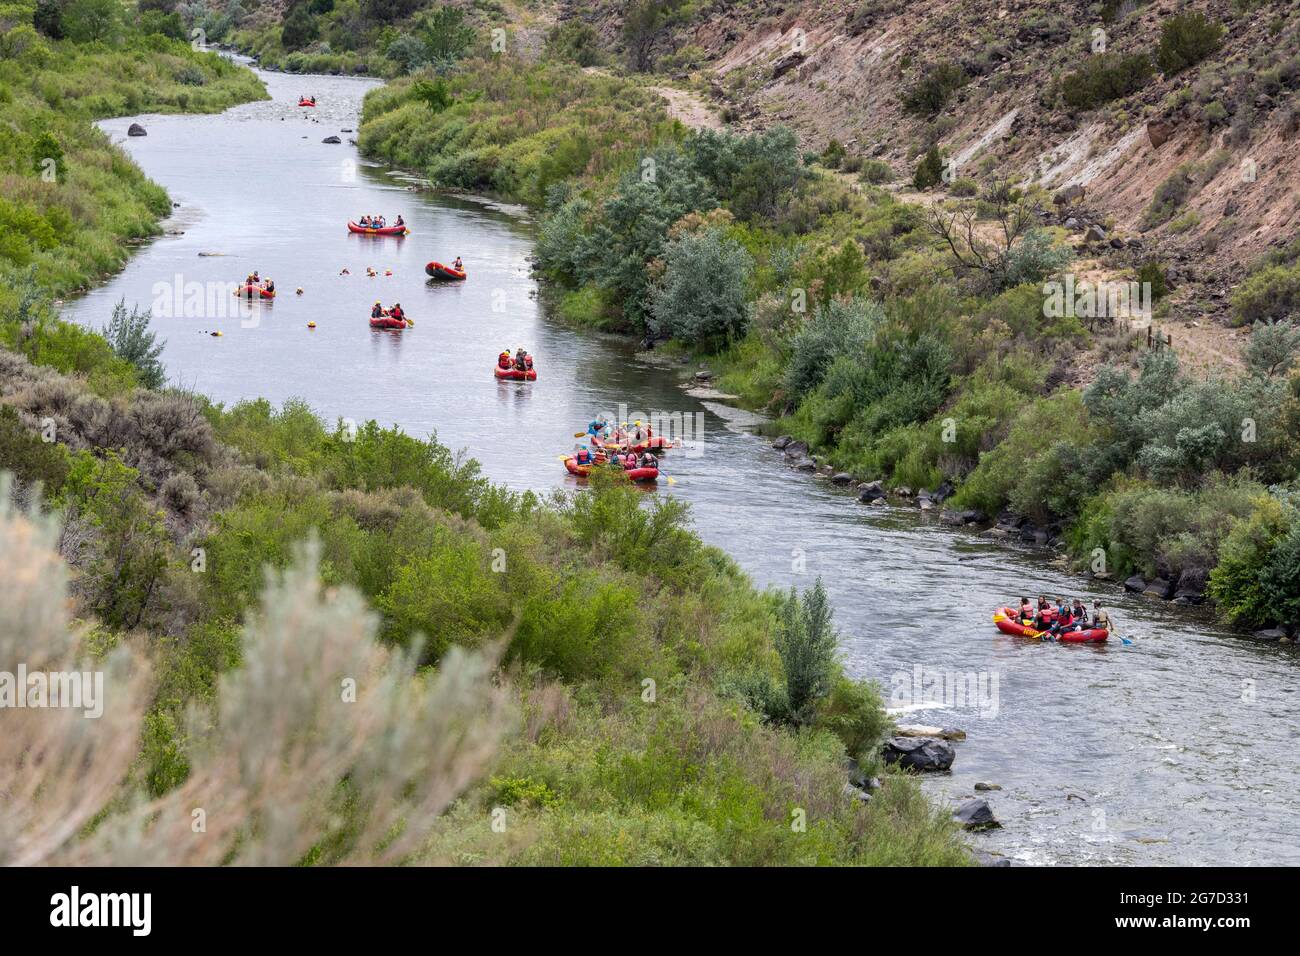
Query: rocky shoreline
point(1187, 591)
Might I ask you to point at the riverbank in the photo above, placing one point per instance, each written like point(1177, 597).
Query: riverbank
point(621, 637)
point(898, 350)
point(74, 203)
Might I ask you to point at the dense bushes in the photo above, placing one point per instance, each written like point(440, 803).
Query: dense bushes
point(1104, 77)
point(1269, 294)
point(702, 298)
point(930, 92)
point(1185, 40)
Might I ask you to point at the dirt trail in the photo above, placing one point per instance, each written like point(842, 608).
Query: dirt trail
point(688, 108)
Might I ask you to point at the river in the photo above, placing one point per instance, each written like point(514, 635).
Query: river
point(1176, 749)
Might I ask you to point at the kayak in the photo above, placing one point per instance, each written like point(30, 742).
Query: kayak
point(248, 290)
point(1007, 621)
point(377, 231)
point(438, 271)
point(513, 374)
point(635, 474)
point(387, 322)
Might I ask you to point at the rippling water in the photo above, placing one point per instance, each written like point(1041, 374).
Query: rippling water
point(1176, 749)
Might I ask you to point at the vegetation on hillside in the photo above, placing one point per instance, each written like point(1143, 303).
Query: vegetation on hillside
point(654, 691)
point(914, 346)
point(71, 202)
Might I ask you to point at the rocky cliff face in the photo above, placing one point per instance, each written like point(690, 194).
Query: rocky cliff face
point(1200, 164)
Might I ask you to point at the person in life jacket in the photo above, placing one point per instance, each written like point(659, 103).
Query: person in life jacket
point(583, 455)
point(270, 284)
point(400, 221)
point(1026, 615)
point(1078, 615)
point(648, 461)
point(458, 265)
point(377, 312)
point(519, 360)
point(503, 360)
point(629, 460)
point(596, 426)
point(528, 361)
point(1099, 616)
point(396, 311)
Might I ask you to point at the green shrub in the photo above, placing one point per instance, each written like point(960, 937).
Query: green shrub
point(1185, 40)
point(929, 171)
point(930, 92)
point(805, 638)
point(1104, 77)
point(1273, 348)
point(1269, 295)
point(702, 298)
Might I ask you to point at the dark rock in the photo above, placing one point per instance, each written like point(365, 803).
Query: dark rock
point(984, 858)
point(976, 815)
point(841, 478)
point(1136, 584)
point(703, 375)
point(1117, 243)
point(870, 491)
point(331, 139)
point(806, 464)
point(923, 754)
point(781, 442)
point(1159, 588)
point(988, 786)
point(950, 517)
point(1269, 634)
point(943, 492)
point(796, 449)
point(787, 63)
point(1072, 224)
point(1159, 132)
point(1095, 234)
point(135, 129)
point(1191, 587)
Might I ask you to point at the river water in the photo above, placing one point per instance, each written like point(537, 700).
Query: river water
point(1178, 748)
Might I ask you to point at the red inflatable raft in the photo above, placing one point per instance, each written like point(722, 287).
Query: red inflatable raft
point(655, 443)
point(249, 291)
point(513, 374)
point(437, 270)
point(1008, 622)
point(306, 102)
point(380, 231)
point(387, 322)
point(636, 474)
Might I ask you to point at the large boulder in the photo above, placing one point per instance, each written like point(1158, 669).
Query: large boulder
point(870, 491)
point(1159, 588)
point(976, 815)
point(923, 754)
point(787, 63)
point(331, 140)
point(1136, 584)
point(780, 443)
point(1158, 133)
point(1191, 587)
point(135, 129)
point(1070, 194)
point(841, 478)
point(1269, 634)
point(796, 449)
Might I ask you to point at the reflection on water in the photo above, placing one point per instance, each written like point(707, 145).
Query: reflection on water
point(1174, 750)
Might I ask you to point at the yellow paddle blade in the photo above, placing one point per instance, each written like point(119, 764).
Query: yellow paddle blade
point(671, 479)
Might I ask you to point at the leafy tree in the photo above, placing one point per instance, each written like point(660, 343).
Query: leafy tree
point(48, 18)
point(752, 172)
point(575, 41)
point(837, 328)
point(299, 28)
point(87, 21)
point(1273, 348)
point(129, 336)
point(805, 639)
point(703, 295)
point(929, 171)
point(447, 37)
point(408, 52)
point(643, 23)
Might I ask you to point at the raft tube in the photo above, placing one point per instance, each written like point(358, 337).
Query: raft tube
point(513, 374)
point(248, 290)
point(437, 270)
point(372, 231)
point(1007, 621)
point(635, 474)
point(387, 322)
